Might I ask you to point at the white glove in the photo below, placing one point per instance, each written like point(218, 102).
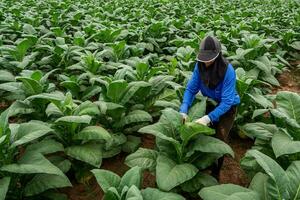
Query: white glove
point(184, 117)
point(205, 120)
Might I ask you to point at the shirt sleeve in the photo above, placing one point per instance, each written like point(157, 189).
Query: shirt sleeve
point(192, 88)
point(227, 95)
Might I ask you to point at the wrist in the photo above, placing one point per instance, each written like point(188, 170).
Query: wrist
point(183, 114)
point(206, 119)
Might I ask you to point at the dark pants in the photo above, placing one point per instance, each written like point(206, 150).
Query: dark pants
point(222, 128)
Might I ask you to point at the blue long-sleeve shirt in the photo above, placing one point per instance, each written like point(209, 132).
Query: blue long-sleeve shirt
point(225, 93)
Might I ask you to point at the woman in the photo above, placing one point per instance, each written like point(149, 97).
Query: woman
point(216, 79)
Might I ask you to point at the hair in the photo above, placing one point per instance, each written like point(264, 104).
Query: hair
point(212, 75)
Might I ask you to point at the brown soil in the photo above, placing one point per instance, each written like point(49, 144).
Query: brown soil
point(148, 180)
point(295, 62)
point(289, 81)
point(148, 141)
point(116, 164)
point(231, 171)
point(89, 191)
point(3, 105)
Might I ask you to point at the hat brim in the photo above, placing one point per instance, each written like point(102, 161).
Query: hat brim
point(207, 56)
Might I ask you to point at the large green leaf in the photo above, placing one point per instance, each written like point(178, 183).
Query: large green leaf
point(259, 185)
point(46, 146)
point(91, 91)
point(4, 122)
point(133, 88)
point(89, 153)
point(293, 173)
point(159, 83)
point(112, 194)
point(283, 144)
point(210, 144)
point(111, 152)
point(31, 163)
point(283, 120)
point(190, 130)
point(4, 184)
point(144, 158)
point(261, 100)
point(263, 66)
point(206, 159)
point(228, 192)
point(17, 107)
point(116, 90)
point(72, 86)
point(258, 112)
point(2, 139)
point(278, 178)
point(135, 116)
point(260, 130)
point(20, 107)
point(62, 163)
point(167, 128)
point(117, 140)
point(175, 104)
point(83, 119)
point(11, 86)
point(199, 181)
point(30, 131)
point(172, 121)
point(169, 174)
point(155, 194)
point(270, 79)
point(6, 76)
point(46, 76)
point(110, 109)
point(53, 110)
point(296, 45)
point(134, 193)
point(42, 182)
point(93, 133)
point(31, 86)
point(52, 97)
point(106, 179)
point(22, 48)
point(288, 103)
point(131, 177)
point(87, 108)
point(132, 144)
point(240, 53)
point(158, 130)
point(198, 110)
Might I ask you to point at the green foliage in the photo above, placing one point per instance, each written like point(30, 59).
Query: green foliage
point(128, 187)
point(83, 78)
point(179, 148)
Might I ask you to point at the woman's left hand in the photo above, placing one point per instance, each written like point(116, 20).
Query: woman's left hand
point(205, 120)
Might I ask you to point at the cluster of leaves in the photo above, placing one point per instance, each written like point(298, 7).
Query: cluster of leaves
point(270, 182)
point(128, 187)
point(182, 151)
point(273, 162)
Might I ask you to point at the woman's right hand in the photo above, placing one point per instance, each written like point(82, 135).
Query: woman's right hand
point(184, 117)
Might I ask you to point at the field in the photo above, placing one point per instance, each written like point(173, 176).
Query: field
point(90, 94)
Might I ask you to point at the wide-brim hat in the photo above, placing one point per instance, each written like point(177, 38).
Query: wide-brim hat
point(210, 48)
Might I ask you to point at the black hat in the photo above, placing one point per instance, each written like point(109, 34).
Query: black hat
point(210, 48)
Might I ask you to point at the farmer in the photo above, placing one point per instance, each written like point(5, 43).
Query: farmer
point(216, 79)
